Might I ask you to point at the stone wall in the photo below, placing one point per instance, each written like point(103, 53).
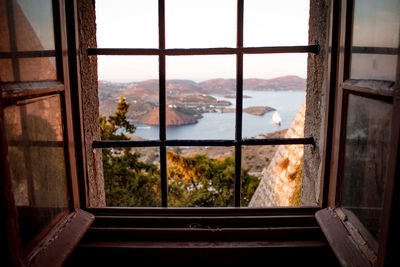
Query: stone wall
point(317, 88)
point(90, 102)
point(277, 184)
point(274, 188)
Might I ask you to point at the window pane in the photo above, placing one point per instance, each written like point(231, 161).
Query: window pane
point(136, 79)
point(279, 173)
point(273, 92)
point(376, 25)
point(4, 31)
point(127, 23)
point(31, 29)
point(201, 176)
point(34, 25)
point(206, 23)
point(37, 69)
point(195, 88)
point(365, 159)
point(37, 163)
point(6, 70)
point(275, 23)
point(132, 177)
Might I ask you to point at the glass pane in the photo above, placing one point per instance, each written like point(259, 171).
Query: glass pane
point(31, 29)
point(200, 176)
point(201, 94)
point(274, 92)
point(376, 25)
point(37, 69)
point(365, 159)
point(6, 70)
point(34, 25)
point(206, 23)
point(278, 172)
point(275, 23)
point(37, 163)
point(132, 177)
point(136, 79)
point(127, 23)
point(4, 31)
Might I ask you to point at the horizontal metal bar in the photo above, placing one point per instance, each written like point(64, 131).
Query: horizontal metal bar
point(200, 142)
point(28, 54)
point(123, 51)
point(374, 50)
point(281, 49)
point(202, 51)
point(125, 143)
point(245, 142)
point(154, 143)
point(279, 141)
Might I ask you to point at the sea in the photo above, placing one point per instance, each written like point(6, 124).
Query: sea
point(222, 125)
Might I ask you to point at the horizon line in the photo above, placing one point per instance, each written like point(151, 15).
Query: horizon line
point(194, 80)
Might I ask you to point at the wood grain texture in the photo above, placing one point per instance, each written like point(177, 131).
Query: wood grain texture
point(62, 241)
point(344, 247)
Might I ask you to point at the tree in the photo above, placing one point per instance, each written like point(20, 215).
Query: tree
point(128, 181)
point(192, 181)
point(205, 182)
point(109, 127)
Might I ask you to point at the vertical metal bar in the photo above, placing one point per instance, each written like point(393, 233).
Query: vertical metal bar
point(239, 103)
point(162, 103)
point(13, 39)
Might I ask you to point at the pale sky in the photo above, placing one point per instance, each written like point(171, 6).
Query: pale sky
point(199, 24)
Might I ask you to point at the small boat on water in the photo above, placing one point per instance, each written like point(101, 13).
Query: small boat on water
point(276, 118)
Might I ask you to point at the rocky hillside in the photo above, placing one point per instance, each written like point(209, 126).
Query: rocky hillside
point(173, 118)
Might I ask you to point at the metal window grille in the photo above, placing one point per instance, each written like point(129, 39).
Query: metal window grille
point(238, 142)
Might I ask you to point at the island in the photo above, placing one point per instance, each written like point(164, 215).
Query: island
point(256, 110)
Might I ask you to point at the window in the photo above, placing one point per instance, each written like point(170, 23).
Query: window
point(37, 158)
point(239, 59)
point(366, 127)
point(40, 136)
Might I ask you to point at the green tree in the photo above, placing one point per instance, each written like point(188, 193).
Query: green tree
point(192, 181)
point(109, 127)
point(127, 181)
point(204, 182)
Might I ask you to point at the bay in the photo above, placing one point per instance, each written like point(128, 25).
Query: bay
point(222, 125)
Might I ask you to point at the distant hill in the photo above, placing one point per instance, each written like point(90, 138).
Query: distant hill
point(214, 86)
point(173, 117)
point(220, 86)
point(226, 86)
point(186, 99)
point(292, 83)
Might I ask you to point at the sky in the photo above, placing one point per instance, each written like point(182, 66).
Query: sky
point(201, 24)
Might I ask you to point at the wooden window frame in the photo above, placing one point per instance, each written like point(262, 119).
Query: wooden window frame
point(53, 245)
point(345, 234)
